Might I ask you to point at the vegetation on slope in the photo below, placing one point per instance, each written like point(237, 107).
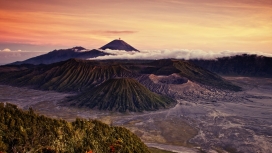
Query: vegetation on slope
point(239, 65)
point(25, 131)
point(121, 94)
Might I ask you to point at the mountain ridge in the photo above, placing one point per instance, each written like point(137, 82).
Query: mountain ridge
point(71, 75)
point(93, 82)
point(77, 75)
point(62, 55)
point(238, 65)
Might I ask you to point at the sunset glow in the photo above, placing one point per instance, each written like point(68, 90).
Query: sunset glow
point(156, 24)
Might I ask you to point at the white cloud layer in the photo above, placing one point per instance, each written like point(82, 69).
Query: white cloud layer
point(6, 50)
point(176, 54)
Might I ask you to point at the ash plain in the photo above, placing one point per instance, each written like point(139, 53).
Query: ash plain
point(204, 118)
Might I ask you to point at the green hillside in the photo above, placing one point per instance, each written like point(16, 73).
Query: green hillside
point(121, 94)
point(25, 131)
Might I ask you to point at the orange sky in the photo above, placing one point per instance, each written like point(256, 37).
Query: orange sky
point(145, 24)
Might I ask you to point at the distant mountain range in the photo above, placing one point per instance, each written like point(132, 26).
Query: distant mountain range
point(87, 77)
point(76, 52)
point(62, 55)
point(126, 85)
point(239, 65)
point(78, 75)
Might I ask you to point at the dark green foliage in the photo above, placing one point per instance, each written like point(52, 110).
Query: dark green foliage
point(23, 131)
point(121, 94)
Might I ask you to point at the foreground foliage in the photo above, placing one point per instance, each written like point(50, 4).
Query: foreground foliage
point(25, 131)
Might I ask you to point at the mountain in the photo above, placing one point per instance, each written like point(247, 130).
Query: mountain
point(75, 52)
point(118, 85)
point(26, 131)
point(239, 65)
point(121, 94)
point(71, 75)
point(118, 45)
point(78, 75)
point(187, 70)
point(62, 55)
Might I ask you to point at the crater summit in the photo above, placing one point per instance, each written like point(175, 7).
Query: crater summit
point(118, 44)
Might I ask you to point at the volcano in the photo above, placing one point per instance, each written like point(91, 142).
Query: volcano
point(76, 75)
point(118, 44)
point(121, 94)
point(62, 55)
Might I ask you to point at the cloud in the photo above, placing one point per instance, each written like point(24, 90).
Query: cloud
point(176, 54)
point(102, 32)
point(119, 32)
point(9, 50)
point(112, 32)
point(6, 50)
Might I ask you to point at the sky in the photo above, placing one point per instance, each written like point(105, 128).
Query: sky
point(32, 27)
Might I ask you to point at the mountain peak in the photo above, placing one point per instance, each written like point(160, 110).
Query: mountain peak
point(118, 44)
point(78, 48)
